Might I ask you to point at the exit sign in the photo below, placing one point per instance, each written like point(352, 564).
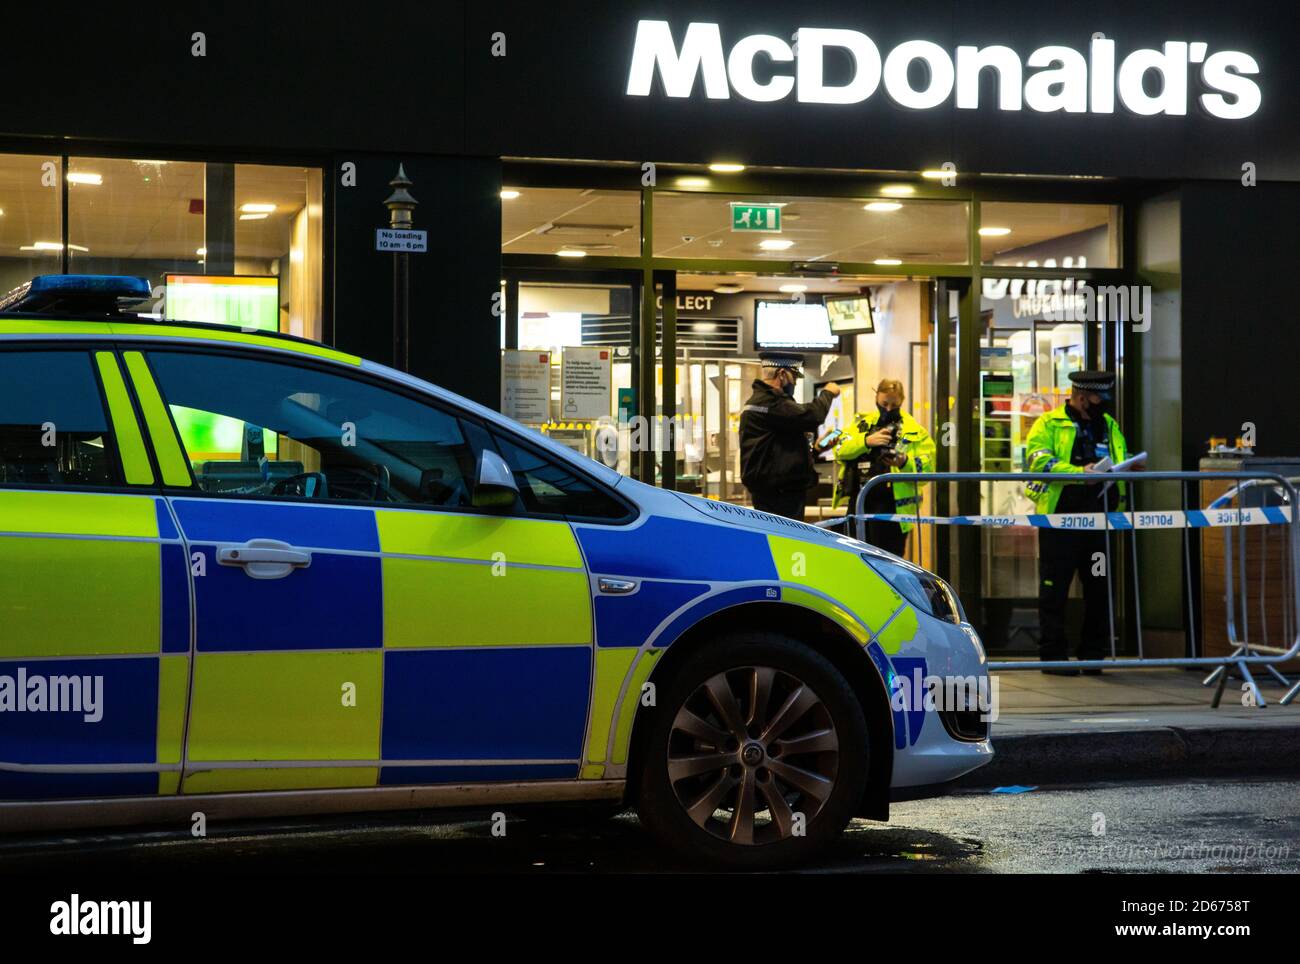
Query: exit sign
point(756, 217)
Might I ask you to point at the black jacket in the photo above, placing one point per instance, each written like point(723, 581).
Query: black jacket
point(774, 451)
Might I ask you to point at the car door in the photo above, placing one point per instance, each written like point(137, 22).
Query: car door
point(94, 599)
point(358, 621)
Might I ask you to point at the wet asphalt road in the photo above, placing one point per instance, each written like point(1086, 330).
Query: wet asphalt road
point(1209, 827)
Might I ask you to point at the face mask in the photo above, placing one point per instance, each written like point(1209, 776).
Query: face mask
point(887, 415)
point(788, 388)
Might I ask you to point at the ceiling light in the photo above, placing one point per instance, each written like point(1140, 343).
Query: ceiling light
point(881, 206)
point(775, 244)
point(257, 208)
point(253, 217)
point(898, 190)
point(887, 261)
point(50, 246)
point(201, 252)
point(692, 182)
point(936, 175)
point(991, 232)
point(509, 195)
point(726, 168)
point(85, 179)
point(571, 253)
point(792, 289)
point(728, 289)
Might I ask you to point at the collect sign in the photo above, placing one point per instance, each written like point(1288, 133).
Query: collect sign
point(756, 217)
point(526, 385)
point(585, 383)
point(389, 239)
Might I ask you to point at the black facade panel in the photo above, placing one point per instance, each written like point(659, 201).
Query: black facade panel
point(422, 77)
point(1238, 304)
point(455, 337)
point(290, 75)
point(561, 91)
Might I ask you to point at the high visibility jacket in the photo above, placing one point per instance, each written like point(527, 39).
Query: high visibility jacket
point(913, 441)
point(1049, 448)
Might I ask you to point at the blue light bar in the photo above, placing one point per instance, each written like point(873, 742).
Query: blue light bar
point(75, 293)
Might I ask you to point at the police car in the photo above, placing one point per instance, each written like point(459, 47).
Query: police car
point(250, 575)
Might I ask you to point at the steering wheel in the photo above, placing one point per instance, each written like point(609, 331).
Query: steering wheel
point(307, 485)
point(370, 483)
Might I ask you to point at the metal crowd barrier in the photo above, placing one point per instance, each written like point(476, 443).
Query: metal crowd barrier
point(1242, 644)
point(1246, 653)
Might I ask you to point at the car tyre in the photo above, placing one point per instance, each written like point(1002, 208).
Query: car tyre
point(755, 755)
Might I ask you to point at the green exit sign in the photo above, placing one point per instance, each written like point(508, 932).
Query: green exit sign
point(756, 217)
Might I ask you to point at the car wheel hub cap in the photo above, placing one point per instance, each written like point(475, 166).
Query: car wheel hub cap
point(753, 755)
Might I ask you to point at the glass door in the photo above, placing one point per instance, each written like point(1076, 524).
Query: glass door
point(567, 363)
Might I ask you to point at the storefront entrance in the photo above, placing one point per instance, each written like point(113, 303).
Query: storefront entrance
point(973, 299)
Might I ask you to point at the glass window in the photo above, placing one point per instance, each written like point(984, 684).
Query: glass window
point(277, 230)
point(53, 430)
point(887, 230)
point(31, 234)
point(244, 240)
point(1049, 235)
point(549, 487)
point(135, 217)
point(571, 222)
point(258, 428)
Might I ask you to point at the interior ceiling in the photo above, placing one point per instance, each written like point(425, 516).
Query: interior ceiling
point(142, 209)
point(698, 225)
point(545, 220)
point(1031, 223)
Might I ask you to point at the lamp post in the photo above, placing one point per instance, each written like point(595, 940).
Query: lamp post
point(400, 206)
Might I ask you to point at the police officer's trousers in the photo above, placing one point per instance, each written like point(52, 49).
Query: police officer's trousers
point(1061, 555)
point(788, 504)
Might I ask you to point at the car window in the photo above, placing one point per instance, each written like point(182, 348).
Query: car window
point(265, 429)
point(549, 487)
point(53, 430)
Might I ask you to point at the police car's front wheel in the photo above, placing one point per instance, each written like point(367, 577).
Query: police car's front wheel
point(756, 754)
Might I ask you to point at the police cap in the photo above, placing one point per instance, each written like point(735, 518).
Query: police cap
point(783, 359)
point(1103, 383)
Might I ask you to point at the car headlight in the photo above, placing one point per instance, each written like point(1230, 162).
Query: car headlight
point(924, 590)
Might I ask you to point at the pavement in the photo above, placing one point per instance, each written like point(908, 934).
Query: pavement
point(1135, 725)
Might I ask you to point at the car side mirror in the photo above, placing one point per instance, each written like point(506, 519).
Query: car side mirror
point(494, 484)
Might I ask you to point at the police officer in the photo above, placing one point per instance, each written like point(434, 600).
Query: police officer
point(1070, 440)
point(776, 462)
point(884, 439)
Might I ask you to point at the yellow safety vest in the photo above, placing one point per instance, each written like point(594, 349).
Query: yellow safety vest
point(913, 441)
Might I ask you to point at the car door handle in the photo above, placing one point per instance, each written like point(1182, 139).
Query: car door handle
point(265, 558)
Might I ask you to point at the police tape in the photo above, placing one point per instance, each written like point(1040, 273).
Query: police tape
point(1191, 519)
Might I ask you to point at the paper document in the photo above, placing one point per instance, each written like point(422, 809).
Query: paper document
point(1128, 463)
